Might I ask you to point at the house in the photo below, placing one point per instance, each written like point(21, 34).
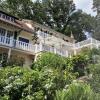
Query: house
point(21, 41)
point(15, 39)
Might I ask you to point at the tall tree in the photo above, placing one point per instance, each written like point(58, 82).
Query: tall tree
point(96, 6)
point(18, 8)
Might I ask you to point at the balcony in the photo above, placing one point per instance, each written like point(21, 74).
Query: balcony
point(44, 47)
point(5, 41)
point(8, 42)
point(90, 42)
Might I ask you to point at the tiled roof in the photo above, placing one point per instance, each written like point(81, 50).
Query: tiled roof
point(24, 26)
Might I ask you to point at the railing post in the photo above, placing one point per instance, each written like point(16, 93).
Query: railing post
point(66, 53)
point(78, 45)
point(36, 48)
point(97, 46)
point(40, 47)
point(11, 42)
point(74, 49)
point(91, 44)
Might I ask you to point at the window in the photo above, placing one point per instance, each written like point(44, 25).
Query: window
point(9, 33)
point(4, 16)
point(23, 40)
point(7, 17)
point(2, 32)
point(12, 19)
point(0, 14)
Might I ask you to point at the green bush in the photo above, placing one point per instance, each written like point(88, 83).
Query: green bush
point(93, 54)
point(18, 83)
point(76, 63)
point(51, 60)
point(77, 91)
point(80, 63)
point(95, 79)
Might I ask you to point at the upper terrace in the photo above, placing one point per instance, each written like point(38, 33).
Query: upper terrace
point(48, 31)
point(63, 51)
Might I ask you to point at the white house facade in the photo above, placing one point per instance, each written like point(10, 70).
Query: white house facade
point(24, 39)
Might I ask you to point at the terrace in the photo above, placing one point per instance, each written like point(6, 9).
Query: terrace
point(16, 44)
point(63, 51)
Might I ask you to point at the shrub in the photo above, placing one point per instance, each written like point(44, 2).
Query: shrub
point(79, 63)
point(51, 60)
point(76, 63)
point(77, 91)
point(18, 83)
point(95, 79)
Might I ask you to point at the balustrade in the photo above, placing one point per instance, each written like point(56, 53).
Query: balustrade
point(43, 47)
point(16, 44)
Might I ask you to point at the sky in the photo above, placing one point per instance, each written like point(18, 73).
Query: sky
point(85, 5)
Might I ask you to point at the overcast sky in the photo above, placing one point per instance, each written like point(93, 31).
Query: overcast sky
point(85, 5)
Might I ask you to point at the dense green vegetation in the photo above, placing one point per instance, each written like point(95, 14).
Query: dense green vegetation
point(96, 6)
point(77, 91)
point(53, 77)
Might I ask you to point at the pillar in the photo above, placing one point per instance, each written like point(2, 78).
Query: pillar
point(9, 54)
point(75, 49)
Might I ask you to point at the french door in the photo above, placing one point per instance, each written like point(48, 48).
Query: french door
point(6, 36)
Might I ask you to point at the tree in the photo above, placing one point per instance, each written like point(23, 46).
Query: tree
point(79, 24)
point(96, 6)
point(18, 8)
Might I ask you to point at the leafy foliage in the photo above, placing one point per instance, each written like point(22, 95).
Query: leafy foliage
point(18, 8)
point(77, 91)
point(93, 55)
point(95, 79)
point(76, 63)
point(21, 83)
point(51, 60)
point(16, 83)
point(50, 73)
point(80, 63)
point(96, 6)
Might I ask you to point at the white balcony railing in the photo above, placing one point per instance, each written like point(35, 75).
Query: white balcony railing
point(5, 41)
point(16, 44)
point(44, 47)
point(86, 43)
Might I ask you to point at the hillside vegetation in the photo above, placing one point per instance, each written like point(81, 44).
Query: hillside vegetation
point(53, 77)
